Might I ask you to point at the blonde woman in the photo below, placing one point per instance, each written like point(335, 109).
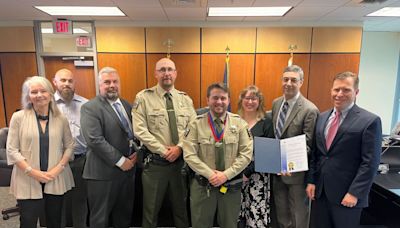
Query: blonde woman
point(255, 207)
point(39, 145)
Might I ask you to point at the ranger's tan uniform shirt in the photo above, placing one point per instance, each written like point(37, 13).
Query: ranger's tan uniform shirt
point(199, 146)
point(150, 117)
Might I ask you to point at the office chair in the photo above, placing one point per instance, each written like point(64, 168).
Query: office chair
point(5, 173)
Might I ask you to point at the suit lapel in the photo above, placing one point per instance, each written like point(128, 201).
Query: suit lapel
point(321, 129)
point(296, 108)
point(276, 110)
point(347, 122)
point(127, 108)
point(110, 110)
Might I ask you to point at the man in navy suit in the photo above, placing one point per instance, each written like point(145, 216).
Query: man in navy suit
point(344, 159)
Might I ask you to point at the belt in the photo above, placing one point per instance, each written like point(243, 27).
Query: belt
point(79, 155)
point(201, 180)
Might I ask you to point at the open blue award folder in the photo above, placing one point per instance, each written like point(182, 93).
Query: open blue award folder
point(277, 156)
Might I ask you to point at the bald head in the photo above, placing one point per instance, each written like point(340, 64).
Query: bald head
point(65, 84)
point(165, 73)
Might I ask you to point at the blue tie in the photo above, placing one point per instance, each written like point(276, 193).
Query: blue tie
point(123, 120)
point(281, 119)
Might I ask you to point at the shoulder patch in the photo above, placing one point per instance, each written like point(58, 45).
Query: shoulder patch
point(136, 104)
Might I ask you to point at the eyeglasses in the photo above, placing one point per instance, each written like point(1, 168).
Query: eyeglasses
point(165, 70)
point(293, 80)
point(250, 98)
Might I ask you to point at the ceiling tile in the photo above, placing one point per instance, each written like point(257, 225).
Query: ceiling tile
point(260, 3)
point(186, 13)
point(227, 3)
point(262, 19)
point(309, 11)
point(145, 13)
point(139, 3)
point(315, 3)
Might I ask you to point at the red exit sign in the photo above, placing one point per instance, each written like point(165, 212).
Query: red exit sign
point(83, 41)
point(62, 27)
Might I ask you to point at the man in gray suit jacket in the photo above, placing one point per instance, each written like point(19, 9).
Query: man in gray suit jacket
point(110, 160)
point(293, 115)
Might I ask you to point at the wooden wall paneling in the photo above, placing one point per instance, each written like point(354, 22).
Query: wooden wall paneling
point(323, 68)
point(85, 82)
point(184, 40)
point(335, 40)
point(277, 40)
point(2, 110)
point(188, 79)
point(131, 69)
point(15, 68)
point(239, 40)
point(120, 39)
point(17, 39)
point(269, 68)
point(241, 74)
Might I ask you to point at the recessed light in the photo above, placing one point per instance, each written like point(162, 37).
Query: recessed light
point(247, 11)
point(81, 10)
point(386, 12)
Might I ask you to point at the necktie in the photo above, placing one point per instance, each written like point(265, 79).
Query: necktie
point(219, 148)
point(281, 119)
point(123, 120)
point(332, 130)
point(172, 119)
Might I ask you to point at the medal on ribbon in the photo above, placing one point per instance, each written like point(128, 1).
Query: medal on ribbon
point(218, 136)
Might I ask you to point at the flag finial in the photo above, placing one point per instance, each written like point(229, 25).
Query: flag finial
point(291, 48)
point(169, 43)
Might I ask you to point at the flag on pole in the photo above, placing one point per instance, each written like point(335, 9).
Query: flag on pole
point(226, 75)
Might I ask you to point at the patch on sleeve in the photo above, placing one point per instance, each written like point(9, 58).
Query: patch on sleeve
point(135, 104)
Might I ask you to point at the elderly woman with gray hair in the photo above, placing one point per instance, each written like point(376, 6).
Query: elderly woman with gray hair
point(39, 145)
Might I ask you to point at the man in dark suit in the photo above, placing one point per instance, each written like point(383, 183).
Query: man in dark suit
point(292, 115)
point(110, 162)
point(345, 158)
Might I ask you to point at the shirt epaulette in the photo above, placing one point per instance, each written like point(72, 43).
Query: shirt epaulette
point(201, 116)
point(183, 93)
point(235, 115)
point(149, 90)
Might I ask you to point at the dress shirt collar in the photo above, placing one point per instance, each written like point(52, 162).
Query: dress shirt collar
point(161, 92)
point(292, 100)
point(75, 98)
point(116, 101)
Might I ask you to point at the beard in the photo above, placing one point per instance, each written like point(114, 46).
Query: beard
point(112, 95)
point(67, 94)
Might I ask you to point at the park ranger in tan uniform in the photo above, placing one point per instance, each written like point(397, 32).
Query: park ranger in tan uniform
point(161, 115)
point(217, 147)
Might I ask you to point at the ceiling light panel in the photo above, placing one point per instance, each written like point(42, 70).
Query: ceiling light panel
point(386, 12)
point(247, 11)
point(81, 10)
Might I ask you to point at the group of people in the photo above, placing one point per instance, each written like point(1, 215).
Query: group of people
point(65, 148)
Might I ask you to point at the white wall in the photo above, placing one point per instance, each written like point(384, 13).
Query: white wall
point(378, 74)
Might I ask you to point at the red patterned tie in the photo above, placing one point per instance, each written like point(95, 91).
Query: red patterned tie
point(332, 130)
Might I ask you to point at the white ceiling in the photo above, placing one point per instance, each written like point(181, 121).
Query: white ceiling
point(194, 13)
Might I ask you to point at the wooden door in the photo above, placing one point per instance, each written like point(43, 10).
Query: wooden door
point(85, 83)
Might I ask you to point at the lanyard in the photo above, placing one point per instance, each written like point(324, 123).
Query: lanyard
point(217, 135)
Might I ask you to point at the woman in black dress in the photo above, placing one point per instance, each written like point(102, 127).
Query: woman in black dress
point(255, 207)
